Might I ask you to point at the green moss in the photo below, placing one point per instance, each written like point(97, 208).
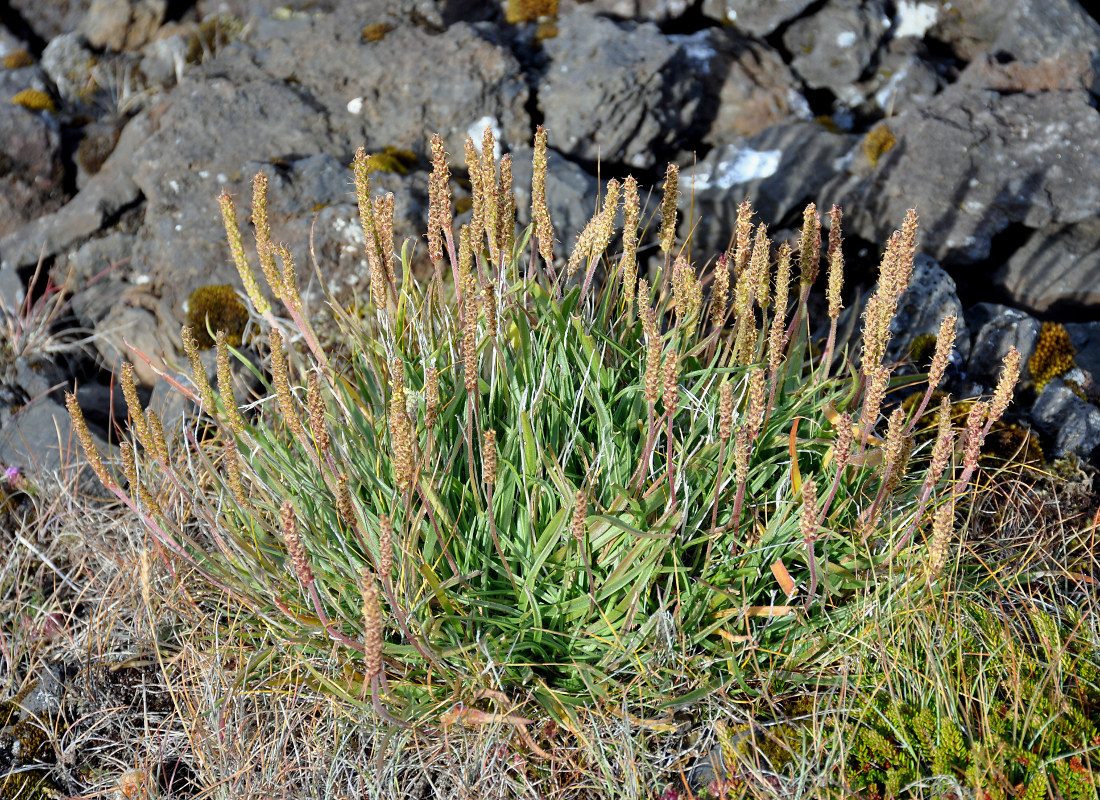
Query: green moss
point(34, 784)
point(922, 349)
point(214, 308)
point(878, 142)
point(1053, 354)
point(34, 100)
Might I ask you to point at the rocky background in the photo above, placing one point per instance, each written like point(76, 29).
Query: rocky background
point(122, 120)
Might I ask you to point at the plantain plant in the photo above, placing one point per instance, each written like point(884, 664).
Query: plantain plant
point(552, 476)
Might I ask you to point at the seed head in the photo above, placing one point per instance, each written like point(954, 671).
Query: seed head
point(943, 524)
point(945, 340)
point(669, 202)
point(281, 380)
point(842, 445)
point(836, 264)
point(808, 522)
point(758, 265)
point(439, 200)
point(477, 193)
point(671, 388)
point(133, 406)
point(579, 525)
point(742, 238)
point(725, 411)
point(777, 335)
point(720, 292)
point(506, 210)
point(262, 229)
point(294, 547)
point(225, 386)
point(289, 294)
point(91, 452)
point(945, 443)
point(489, 458)
point(160, 443)
point(431, 396)
point(317, 424)
point(198, 371)
point(544, 230)
point(628, 267)
point(233, 473)
point(401, 443)
point(385, 546)
point(345, 507)
point(975, 435)
point(809, 246)
point(236, 249)
point(876, 393)
point(372, 624)
point(1002, 395)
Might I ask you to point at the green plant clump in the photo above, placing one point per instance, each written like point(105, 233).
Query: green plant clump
point(565, 489)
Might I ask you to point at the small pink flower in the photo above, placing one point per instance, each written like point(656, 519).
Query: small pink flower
point(12, 477)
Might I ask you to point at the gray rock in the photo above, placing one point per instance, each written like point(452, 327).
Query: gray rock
point(1085, 337)
point(1023, 30)
point(973, 163)
point(995, 329)
point(174, 409)
point(779, 170)
point(931, 296)
point(1072, 423)
point(757, 89)
point(622, 93)
point(69, 63)
point(755, 17)
point(901, 81)
point(1057, 269)
point(833, 47)
point(387, 93)
point(642, 10)
point(51, 18)
point(122, 24)
point(31, 169)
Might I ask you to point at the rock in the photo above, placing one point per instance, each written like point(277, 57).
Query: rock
point(1017, 30)
point(51, 18)
point(833, 47)
point(1072, 423)
point(973, 163)
point(996, 328)
point(31, 170)
point(144, 330)
point(1085, 337)
point(757, 89)
point(755, 17)
point(104, 196)
point(930, 297)
point(69, 63)
point(385, 93)
point(779, 170)
point(621, 93)
point(1056, 270)
point(122, 24)
point(901, 81)
point(642, 10)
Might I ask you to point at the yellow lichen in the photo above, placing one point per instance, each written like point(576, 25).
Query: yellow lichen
point(529, 10)
point(392, 159)
point(214, 308)
point(17, 59)
point(34, 100)
point(1053, 354)
point(878, 142)
point(922, 349)
point(376, 32)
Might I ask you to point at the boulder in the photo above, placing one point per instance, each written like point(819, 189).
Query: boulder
point(1057, 269)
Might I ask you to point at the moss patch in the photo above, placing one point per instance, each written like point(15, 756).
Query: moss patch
point(878, 142)
point(214, 308)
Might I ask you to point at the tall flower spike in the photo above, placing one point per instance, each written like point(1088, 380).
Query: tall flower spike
point(489, 458)
point(1002, 395)
point(489, 186)
point(439, 200)
point(669, 202)
point(544, 230)
point(240, 260)
point(345, 507)
point(198, 371)
point(720, 291)
point(808, 521)
point(133, 405)
point(290, 294)
point(777, 336)
point(943, 524)
point(477, 194)
point(872, 400)
point(431, 396)
point(628, 267)
point(975, 435)
point(401, 444)
point(742, 245)
point(385, 546)
point(579, 525)
point(809, 245)
point(842, 445)
point(280, 377)
point(945, 340)
point(671, 389)
point(233, 473)
point(725, 411)
point(91, 452)
point(262, 230)
point(361, 173)
point(317, 424)
point(836, 264)
point(945, 443)
point(225, 386)
point(160, 443)
point(506, 211)
point(372, 625)
point(299, 560)
point(383, 226)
